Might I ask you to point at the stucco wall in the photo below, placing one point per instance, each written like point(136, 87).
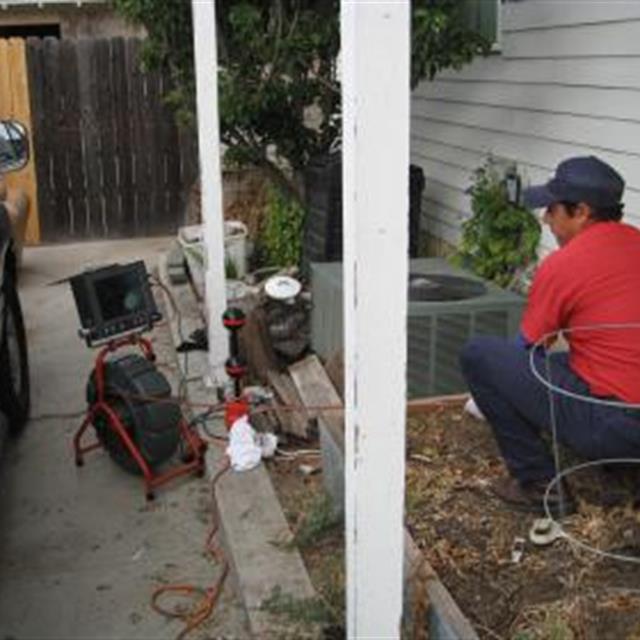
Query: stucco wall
point(565, 82)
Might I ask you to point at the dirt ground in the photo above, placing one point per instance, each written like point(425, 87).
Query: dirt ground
point(557, 592)
point(317, 534)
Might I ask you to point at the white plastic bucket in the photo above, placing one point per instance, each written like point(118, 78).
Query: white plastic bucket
point(235, 245)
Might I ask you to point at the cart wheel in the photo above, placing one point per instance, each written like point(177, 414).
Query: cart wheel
point(79, 462)
point(150, 496)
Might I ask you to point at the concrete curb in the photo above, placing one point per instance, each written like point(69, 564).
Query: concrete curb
point(250, 516)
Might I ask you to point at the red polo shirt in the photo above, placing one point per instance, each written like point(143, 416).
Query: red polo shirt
point(593, 280)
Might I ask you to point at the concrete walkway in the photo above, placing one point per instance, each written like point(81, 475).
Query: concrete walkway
point(80, 549)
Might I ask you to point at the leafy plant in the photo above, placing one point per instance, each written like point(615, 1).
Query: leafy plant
point(281, 237)
point(319, 522)
point(500, 238)
point(230, 269)
point(278, 78)
point(441, 39)
point(301, 610)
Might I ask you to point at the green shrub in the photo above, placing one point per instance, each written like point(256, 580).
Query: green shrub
point(500, 239)
point(281, 237)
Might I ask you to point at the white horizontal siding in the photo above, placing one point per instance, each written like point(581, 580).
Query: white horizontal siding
point(609, 103)
point(567, 83)
point(586, 40)
point(539, 14)
point(599, 133)
point(568, 72)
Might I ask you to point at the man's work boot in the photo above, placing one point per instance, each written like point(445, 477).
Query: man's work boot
point(530, 497)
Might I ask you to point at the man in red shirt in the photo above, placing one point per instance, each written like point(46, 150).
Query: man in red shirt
point(589, 289)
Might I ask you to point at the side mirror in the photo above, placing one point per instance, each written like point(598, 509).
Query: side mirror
point(14, 146)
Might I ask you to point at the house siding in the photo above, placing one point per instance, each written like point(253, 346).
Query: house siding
point(566, 82)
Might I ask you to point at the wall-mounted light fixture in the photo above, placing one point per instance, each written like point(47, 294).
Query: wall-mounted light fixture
point(513, 185)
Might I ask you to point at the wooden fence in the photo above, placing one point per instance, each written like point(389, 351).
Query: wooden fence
point(110, 161)
point(15, 104)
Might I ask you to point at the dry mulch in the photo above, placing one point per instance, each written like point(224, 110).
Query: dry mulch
point(557, 592)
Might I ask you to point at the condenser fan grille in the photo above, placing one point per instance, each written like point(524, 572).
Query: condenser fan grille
point(446, 308)
point(431, 287)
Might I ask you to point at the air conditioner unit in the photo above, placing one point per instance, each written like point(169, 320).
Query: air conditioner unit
point(447, 306)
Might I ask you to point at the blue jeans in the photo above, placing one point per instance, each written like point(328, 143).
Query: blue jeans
point(517, 405)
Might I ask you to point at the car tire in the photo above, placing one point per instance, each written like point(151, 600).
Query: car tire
point(15, 392)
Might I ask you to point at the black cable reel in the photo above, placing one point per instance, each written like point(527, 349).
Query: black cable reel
point(134, 390)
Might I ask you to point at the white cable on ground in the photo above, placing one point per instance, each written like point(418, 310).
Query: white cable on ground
point(572, 539)
point(562, 474)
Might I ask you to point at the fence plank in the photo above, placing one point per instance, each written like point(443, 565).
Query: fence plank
point(108, 112)
point(123, 135)
point(39, 134)
point(88, 80)
point(141, 152)
point(72, 141)
point(156, 212)
point(60, 221)
point(171, 152)
point(15, 104)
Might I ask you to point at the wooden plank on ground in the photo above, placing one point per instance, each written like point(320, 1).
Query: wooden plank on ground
point(334, 367)
point(294, 422)
point(316, 390)
point(256, 346)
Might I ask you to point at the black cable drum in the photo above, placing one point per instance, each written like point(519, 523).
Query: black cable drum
point(154, 427)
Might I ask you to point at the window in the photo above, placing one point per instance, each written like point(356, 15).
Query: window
point(483, 16)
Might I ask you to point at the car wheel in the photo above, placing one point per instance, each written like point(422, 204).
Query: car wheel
point(15, 392)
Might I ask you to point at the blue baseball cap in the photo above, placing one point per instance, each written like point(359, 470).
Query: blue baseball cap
point(584, 179)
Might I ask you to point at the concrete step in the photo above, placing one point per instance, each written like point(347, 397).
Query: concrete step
point(250, 516)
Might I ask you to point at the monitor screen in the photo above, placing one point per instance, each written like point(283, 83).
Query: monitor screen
point(120, 295)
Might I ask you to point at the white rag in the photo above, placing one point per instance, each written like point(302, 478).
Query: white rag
point(246, 447)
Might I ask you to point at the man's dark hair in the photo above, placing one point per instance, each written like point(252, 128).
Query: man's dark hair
point(601, 214)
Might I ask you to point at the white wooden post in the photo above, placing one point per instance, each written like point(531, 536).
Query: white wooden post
point(206, 64)
point(375, 91)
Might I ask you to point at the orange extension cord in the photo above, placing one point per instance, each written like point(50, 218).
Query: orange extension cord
point(205, 599)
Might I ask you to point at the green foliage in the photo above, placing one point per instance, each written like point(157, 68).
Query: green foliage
point(500, 238)
point(441, 39)
point(169, 45)
point(278, 64)
point(308, 610)
point(230, 269)
point(281, 237)
point(319, 522)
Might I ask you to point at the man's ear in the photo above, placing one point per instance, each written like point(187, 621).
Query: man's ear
point(583, 212)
